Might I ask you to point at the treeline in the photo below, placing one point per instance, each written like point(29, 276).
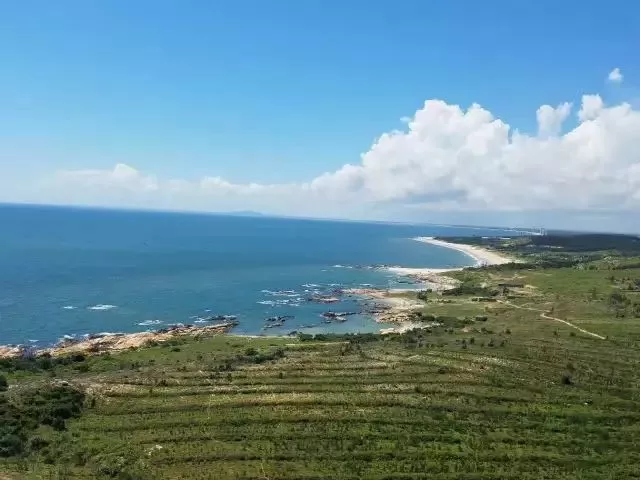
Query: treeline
point(625, 245)
point(31, 363)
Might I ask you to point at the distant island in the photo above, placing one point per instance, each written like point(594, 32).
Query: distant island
point(243, 213)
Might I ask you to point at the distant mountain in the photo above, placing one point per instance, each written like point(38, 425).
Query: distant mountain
point(244, 213)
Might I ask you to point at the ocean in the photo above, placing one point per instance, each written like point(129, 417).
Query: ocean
point(73, 271)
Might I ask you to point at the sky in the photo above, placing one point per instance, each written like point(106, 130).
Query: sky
point(499, 113)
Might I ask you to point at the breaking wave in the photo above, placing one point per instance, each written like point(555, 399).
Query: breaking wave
point(102, 307)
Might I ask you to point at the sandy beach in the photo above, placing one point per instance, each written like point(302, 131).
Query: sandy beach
point(432, 278)
point(482, 256)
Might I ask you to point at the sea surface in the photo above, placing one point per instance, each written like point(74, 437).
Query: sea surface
point(72, 271)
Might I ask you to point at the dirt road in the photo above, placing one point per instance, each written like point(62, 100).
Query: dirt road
point(544, 315)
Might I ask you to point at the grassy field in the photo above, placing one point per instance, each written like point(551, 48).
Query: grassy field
point(515, 395)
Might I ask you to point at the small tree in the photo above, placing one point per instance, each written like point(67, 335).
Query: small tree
point(4, 385)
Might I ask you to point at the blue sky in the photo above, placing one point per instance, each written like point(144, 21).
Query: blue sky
point(280, 92)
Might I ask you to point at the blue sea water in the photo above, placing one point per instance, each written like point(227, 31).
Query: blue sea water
point(69, 271)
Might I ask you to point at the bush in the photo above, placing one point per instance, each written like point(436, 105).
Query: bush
point(250, 352)
point(4, 385)
point(11, 445)
point(566, 380)
point(423, 295)
point(48, 405)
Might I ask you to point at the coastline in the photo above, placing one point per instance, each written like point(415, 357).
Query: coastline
point(432, 279)
point(480, 255)
point(388, 308)
point(114, 342)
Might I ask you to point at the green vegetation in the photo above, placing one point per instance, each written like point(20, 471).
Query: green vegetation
point(541, 383)
point(29, 417)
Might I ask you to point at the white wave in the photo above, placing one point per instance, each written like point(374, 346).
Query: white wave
point(281, 293)
point(281, 302)
point(69, 307)
point(102, 307)
point(146, 323)
point(310, 285)
point(68, 337)
point(33, 341)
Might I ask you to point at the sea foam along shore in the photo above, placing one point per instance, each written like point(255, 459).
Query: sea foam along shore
point(432, 278)
point(481, 256)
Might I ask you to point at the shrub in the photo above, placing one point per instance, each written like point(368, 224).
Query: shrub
point(4, 385)
point(82, 368)
point(566, 380)
point(10, 445)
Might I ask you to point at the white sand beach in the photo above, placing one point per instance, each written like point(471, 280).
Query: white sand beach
point(400, 312)
point(482, 256)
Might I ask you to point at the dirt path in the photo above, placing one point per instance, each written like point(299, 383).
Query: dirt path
point(548, 317)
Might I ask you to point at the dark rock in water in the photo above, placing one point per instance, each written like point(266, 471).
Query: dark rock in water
point(323, 299)
point(279, 318)
point(273, 325)
point(219, 318)
point(336, 315)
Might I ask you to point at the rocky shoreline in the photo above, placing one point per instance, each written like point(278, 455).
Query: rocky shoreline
point(384, 305)
point(113, 342)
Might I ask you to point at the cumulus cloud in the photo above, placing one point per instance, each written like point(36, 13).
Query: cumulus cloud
point(550, 119)
point(615, 76)
point(445, 158)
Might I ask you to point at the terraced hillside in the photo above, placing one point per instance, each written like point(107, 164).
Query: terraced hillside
point(561, 407)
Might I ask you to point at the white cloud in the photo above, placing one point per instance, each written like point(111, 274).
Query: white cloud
point(446, 159)
point(550, 119)
point(615, 76)
point(122, 176)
